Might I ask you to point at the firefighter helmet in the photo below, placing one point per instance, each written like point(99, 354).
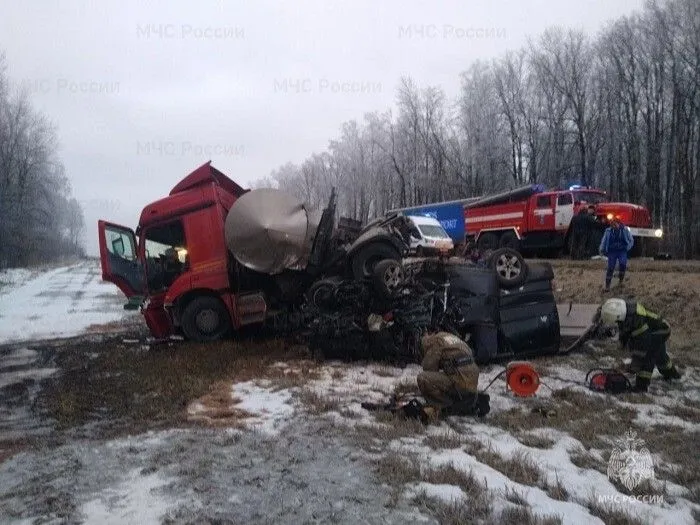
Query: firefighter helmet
point(613, 311)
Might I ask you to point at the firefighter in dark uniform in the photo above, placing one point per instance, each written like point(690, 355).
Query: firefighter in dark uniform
point(593, 232)
point(646, 334)
point(450, 378)
point(578, 241)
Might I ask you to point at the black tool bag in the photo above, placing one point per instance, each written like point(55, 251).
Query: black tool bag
point(410, 410)
point(609, 380)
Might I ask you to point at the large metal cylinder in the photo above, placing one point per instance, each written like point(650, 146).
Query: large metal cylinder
point(269, 231)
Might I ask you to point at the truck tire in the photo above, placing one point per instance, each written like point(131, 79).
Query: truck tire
point(205, 318)
point(509, 240)
point(366, 259)
point(388, 276)
point(322, 293)
point(487, 241)
point(510, 267)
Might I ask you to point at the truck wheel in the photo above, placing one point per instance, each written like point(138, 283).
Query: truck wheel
point(387, 277)
point(509, 240)
point(205, 319)
point(510, 267)
point(321, 293)
point(488, 241)
point(367, 258)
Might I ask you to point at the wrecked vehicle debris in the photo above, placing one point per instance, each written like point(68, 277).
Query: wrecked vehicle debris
point(371, 319)
point(212, 257)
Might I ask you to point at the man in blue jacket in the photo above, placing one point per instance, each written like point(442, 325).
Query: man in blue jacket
point(617, 241)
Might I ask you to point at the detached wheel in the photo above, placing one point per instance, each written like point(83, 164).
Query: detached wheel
point(365, 260)
point(510, 267)
point(321, 293)
point(388, 277)
point(487, 241)
point(205, 319)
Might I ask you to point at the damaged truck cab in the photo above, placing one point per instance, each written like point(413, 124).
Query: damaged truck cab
point(175, 265)
point(212, 257)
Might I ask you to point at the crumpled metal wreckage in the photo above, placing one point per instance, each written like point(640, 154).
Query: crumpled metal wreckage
point(365, 319)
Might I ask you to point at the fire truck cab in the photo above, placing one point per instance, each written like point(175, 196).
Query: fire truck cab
point(532, 219)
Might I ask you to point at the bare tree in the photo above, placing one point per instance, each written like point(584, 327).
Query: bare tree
point(621, 111)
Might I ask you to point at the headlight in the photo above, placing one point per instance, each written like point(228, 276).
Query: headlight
point(658, 233)
point(610, 216)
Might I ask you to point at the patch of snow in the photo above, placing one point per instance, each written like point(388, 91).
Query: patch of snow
point(135, 500)
point(556, 466)
point(18, 357)
point(271, 410)
point(356, 383)
point(500, 484)
point(446, 493)
point(60, 302)
point(36, 374)
point(12, 362)
point(652, 415)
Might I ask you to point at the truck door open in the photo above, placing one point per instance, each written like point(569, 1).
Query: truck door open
point(565, 211)
point(118, 257)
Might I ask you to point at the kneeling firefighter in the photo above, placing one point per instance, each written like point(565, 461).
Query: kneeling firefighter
point(646, 334)
point(450, 378)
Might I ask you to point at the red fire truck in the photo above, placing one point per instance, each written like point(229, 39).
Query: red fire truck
point(533, 219)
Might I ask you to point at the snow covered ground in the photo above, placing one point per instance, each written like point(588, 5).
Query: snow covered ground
point(295, 445)
point(350, 385)
point(293, 451)
point(60, 302)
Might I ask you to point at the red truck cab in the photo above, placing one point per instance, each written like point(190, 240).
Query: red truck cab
point(175, 265)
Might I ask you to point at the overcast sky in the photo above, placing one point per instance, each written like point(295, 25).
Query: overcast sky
point(144, 92)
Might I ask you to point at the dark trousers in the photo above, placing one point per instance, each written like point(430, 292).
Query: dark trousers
point(579, 244)
point(649, 351)
point(615, 258)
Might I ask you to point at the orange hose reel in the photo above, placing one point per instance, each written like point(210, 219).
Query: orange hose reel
point(522, 378)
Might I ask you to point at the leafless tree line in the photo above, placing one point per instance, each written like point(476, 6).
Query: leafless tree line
point(620, 111)
point(39, 221)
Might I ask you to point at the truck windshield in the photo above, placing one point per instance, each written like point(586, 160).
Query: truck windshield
point(430, 230)
point(166, 255)
point(590, 197)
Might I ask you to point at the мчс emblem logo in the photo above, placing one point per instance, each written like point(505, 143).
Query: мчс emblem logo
point(630, 461)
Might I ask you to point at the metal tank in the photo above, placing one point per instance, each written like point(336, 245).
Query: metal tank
point(270, 231)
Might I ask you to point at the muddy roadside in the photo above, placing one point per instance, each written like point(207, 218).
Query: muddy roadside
point(109, 383)
point(110, 421)
point(670, 288)
point(110, 413)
